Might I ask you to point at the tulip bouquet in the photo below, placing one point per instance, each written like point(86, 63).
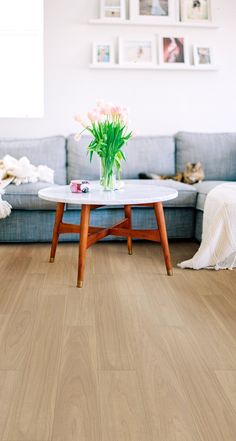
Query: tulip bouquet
point(108, 124)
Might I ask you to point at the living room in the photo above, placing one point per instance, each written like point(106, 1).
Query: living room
point(117, 220)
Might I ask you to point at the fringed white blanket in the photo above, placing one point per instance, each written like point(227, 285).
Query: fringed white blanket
point(20, 172)
point(218, 247)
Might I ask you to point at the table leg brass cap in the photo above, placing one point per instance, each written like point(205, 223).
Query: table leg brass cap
point(52, 259)
point(80, 284)
point(130, 252)
point(170, 272)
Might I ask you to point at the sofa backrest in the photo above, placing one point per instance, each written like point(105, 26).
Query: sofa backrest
point(216, 152)
point(155, 154)
point(49, 151)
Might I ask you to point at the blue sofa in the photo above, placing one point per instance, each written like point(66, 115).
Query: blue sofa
point(32, 219)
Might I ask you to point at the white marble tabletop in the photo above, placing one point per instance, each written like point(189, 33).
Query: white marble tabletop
point(133, 193)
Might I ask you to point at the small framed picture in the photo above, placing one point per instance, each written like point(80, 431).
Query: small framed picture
point(203, 55)
point(173, 51)
point(153, 11)
point(113, 9)
point(103, 53)
point(195, 11)
point(137, 51)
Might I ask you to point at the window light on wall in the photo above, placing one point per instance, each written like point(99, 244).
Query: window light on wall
point(21, 59)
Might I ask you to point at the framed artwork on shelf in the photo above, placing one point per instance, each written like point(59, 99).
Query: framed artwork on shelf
point(113, 9)
point(103, 53)
point(153, 11)
point(203, 55)
point(173, 51)
point(140, 52)
point(198, 11)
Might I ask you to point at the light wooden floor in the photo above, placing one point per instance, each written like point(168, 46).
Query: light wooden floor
point(134, 356)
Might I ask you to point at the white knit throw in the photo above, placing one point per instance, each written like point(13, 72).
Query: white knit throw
point(5, 207)
point(20, 171)
point(218, 247)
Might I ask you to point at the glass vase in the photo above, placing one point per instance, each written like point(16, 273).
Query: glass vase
point(107, 175)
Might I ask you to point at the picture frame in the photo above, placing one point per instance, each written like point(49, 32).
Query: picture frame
point(203, 55)
point(173, 51)
point(153, 11)
point(113, 10)
point(195, 11)
point(103, 53)
point(141, 52)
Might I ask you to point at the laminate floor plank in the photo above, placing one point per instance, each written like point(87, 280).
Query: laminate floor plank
point(40, 258)
point(77, 414)
point(32, 411)
point(139, 263)
point(224, 313)
point(134, 355)
point(122, 410)
point(8, 384)
point(227, 379)
point(157, 302)
point(60, 273)
point(211, 409)
point(215, 344)
point(181, 395)
point(116, 328)
point(11, 280)
point(80, 309)
point(16, 335)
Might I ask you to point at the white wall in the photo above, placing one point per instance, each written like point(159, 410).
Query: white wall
point(160, 102)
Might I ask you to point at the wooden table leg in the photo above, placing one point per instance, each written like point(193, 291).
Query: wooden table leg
point(161, 223)
point(84, 229)
point(58, 218)
point(128, 214)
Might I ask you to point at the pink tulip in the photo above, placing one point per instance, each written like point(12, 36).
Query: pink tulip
point(102, 107)
point(100, 103)
point(79, 119)
point(94, 116)
point(106, 109)
point(116, 111)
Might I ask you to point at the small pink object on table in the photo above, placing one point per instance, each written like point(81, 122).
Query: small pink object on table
point(77, 186)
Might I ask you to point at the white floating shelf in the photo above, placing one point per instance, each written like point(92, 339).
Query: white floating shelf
point(158, 67)
point(180, 24)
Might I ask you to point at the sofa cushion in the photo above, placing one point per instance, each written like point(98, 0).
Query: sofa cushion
point(144, 154)
point(186, 198)
point(216, 152)
point(46, 151)
point(203, 188)
point(25, 197)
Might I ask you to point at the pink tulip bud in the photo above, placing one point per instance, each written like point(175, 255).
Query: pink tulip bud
point(100, 103)
point(78, 118)
point(94, 116)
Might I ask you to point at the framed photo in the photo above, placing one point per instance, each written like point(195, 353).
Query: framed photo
point(203, 55)
point(113, 9)
point(195, 11)
point(173, 51)
point(140, 51)
point(103, 53)
point(153, 11)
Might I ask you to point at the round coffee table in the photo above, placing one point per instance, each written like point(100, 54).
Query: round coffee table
point(133, 193)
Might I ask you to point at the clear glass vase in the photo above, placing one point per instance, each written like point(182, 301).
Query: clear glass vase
point(107, 176)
